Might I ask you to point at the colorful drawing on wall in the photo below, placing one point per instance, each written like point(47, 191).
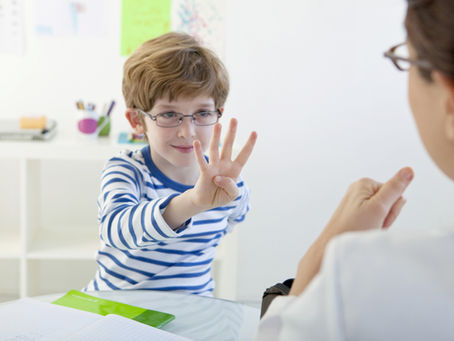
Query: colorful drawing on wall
point(143, 20)
point(68, 17)
point(202, 19)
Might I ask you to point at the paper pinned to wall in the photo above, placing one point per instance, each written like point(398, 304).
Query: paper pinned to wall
point(68, 17)
point(143, 20)
point(12, 26)
point(204, 20)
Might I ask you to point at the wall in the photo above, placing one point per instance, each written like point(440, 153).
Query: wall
point(309, 76)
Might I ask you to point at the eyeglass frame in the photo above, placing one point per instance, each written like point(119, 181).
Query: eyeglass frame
point(424, 64)
point(155, 118)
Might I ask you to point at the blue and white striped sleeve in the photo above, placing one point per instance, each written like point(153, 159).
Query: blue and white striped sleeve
point(242, 205)
point(126, 221)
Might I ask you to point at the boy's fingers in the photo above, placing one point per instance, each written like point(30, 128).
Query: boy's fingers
point(392, 190)
point(227, 146)
point(246, 151)
point(394, 212)
point(214, 143)
point(228, 185)
point(199, 155)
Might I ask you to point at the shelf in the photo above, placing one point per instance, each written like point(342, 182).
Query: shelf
point(63, 147)
point(8, 297)
point(76, 243)
point(10, 246)
point(9, 285)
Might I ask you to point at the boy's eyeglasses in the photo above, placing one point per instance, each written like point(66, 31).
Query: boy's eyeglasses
point(174, 119)
point(400, 57)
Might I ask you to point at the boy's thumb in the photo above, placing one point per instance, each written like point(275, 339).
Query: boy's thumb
point(393, 189)
point(228, 185)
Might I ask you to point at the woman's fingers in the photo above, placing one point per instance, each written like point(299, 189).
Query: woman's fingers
point(394, 212)
point(246, 151)
point(226, 153)
point(393, 189)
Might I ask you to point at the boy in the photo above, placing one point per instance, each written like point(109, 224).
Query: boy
point(163, 209)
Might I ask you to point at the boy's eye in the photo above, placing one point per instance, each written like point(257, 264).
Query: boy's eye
point(169, 115)
point(203, 114)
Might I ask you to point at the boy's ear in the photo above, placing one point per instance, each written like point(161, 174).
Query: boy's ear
point(221, 110)
point(134, 120)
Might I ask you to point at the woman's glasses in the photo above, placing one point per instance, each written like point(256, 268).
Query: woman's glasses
point(400, 57)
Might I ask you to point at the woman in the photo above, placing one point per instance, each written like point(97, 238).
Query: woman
point(380, 285)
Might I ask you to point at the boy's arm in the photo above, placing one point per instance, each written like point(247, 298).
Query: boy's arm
point(126, 220)
point(216, 185)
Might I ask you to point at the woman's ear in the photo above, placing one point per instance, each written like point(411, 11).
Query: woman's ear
point(135, 121)
point(447, 85)
point(450, 121)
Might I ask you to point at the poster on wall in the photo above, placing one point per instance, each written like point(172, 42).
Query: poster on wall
point(69, 17)
point(143, 20)
point(202, 19)
point(12, 38)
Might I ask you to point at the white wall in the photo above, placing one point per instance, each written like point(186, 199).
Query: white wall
point(309, 76)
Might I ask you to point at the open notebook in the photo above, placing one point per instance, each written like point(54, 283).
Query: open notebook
point(32, 320)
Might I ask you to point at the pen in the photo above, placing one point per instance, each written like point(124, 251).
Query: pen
point(104, 110)
point(110, 108)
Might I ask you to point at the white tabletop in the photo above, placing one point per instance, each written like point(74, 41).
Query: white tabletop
point(196, 317)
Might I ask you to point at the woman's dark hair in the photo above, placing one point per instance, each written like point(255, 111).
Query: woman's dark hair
point(430, 30)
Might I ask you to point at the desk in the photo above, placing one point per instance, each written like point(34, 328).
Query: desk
point(196, 317)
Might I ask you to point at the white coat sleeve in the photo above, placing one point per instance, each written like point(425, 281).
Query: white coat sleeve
point(315, 315)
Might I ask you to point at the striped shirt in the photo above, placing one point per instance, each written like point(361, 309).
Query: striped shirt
point(138, 249)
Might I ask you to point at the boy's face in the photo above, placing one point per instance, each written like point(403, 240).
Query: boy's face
point(172, 148)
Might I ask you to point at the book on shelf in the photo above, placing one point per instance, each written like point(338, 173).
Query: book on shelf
point(11, 130)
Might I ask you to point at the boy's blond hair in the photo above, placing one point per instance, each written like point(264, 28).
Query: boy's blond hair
point(173, 65)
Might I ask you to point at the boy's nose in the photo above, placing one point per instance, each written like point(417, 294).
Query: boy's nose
point(186, 128)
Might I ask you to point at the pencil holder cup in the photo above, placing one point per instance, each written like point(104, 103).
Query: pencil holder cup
point(104, 126)
point(87, 124)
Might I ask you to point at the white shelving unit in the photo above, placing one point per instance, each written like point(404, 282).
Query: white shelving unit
point(50, 242)
point(39, 255)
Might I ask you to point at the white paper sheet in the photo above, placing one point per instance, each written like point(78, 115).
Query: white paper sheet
point(67, 17)
point(31, 320)
point(114, 327)
point(12, 37)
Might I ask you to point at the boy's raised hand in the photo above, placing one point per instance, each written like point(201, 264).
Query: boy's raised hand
point(216, 185)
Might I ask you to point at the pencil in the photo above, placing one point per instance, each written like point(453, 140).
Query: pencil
point(112, 104)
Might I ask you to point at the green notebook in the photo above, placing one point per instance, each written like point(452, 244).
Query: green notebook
point(79, 300)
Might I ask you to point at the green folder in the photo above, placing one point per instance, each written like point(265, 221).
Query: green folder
point(78, 300)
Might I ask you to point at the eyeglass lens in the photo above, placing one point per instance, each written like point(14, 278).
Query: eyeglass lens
point(402, 51)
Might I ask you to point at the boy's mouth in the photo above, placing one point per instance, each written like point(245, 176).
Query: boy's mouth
point(184, 149)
